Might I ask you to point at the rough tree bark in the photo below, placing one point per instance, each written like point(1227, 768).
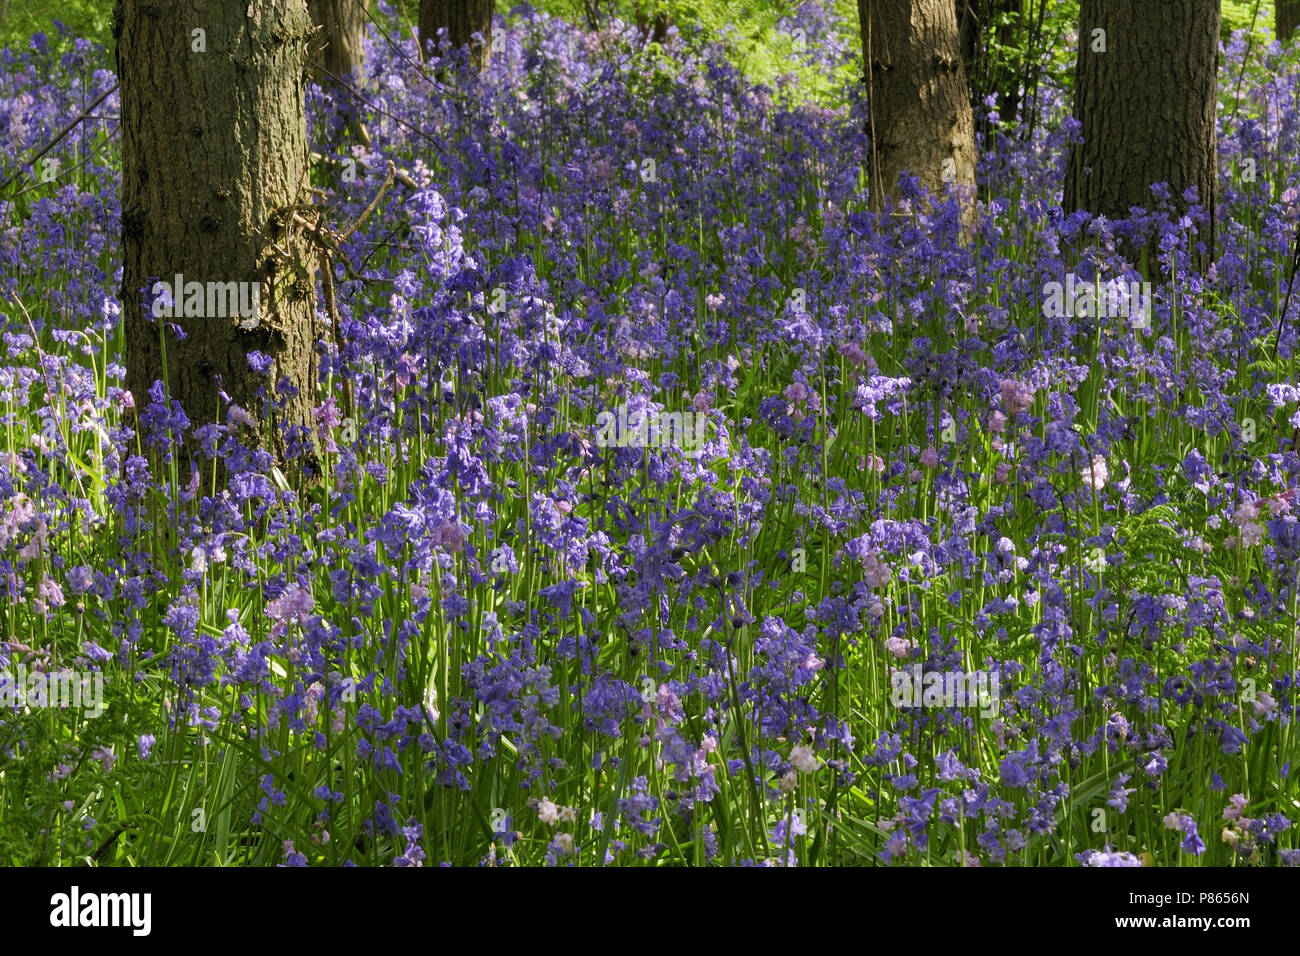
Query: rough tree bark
point(337, 48)
point(214, 147)
point(1146, 106)
point(921, 120)
point(1287, 18)
point(462, 19)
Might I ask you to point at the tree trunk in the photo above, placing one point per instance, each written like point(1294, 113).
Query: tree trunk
point(920, 111)
point(653, 27)
point(337, 49)
point(1146, 106)
point(970, 27)
point(660, 32)
point(981, 24)
point(1287, 18)
point(214, 146)
point(462, 19)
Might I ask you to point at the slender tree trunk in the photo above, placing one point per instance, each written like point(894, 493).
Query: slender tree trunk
point(652, 26)
point(981, 24)
point(660, 32)
point(1146, 105)
point(920, 111)
point(214, 147)
point(1287, 19)
point(338, 48)
point(970, 27)
point(462, 19)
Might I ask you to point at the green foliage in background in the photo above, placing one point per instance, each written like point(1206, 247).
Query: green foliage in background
point(19, 19)
point(749, 32)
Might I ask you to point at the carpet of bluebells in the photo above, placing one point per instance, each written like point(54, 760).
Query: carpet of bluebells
point(484, 637)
